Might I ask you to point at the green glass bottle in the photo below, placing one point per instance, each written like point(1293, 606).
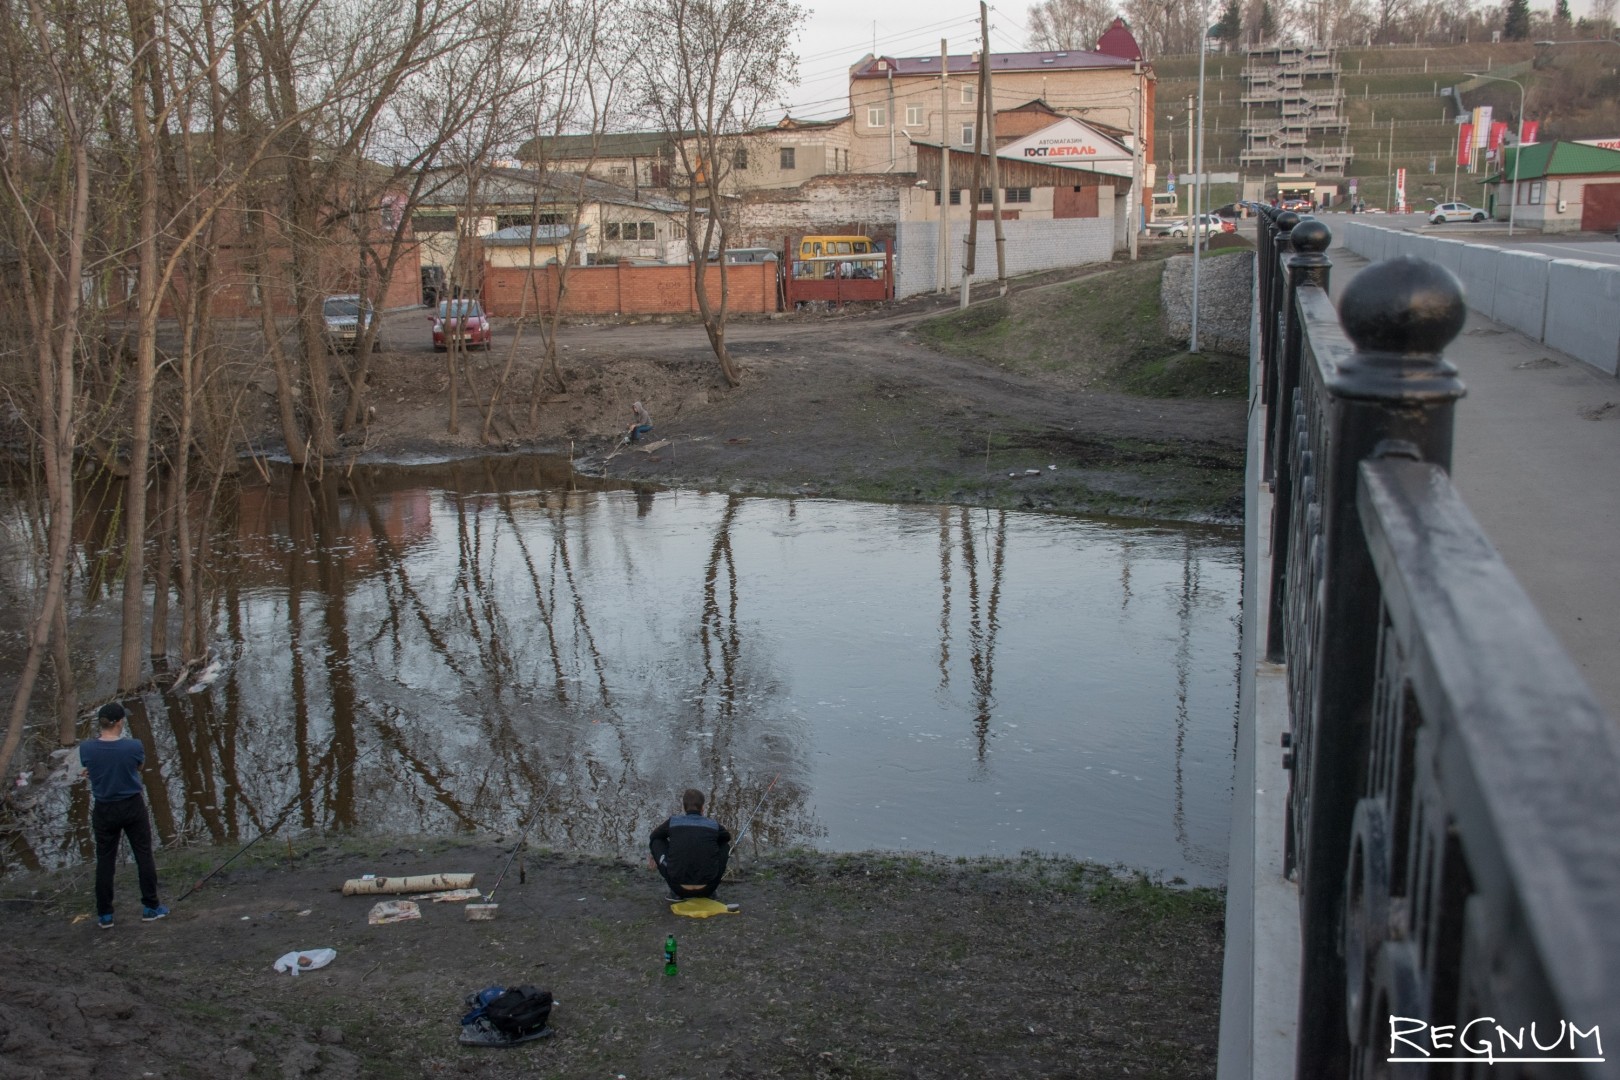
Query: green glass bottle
point(669, 955)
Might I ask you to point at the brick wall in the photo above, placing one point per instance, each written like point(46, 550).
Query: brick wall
point(624, 289)
point(840, 204)
point(1031, 246)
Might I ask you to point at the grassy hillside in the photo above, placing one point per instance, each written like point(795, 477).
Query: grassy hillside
point(1572, 90)
point(1103, 331)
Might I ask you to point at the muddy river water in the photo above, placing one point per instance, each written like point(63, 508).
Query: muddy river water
point(476, 645)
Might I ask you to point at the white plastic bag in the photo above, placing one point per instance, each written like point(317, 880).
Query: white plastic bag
point(306, 960)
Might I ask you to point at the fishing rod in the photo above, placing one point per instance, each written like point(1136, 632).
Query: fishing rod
point(280, 820)
point(486, 908)
point(757, 806)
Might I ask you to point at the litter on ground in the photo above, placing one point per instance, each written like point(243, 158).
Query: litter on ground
point(393, 911)
point(305, 960)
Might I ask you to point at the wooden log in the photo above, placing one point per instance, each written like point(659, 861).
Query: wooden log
point(372, 886)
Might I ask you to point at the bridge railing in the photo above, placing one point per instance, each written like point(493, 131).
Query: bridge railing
point(1454, 811)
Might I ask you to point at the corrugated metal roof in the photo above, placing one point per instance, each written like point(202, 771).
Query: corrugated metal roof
point(968, 64)
point(1558, 159)
point(519, 235)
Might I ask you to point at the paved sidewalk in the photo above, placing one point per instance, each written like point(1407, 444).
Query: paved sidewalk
point(1537, 460)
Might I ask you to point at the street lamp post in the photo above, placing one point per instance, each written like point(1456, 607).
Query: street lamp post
point(1518, 150)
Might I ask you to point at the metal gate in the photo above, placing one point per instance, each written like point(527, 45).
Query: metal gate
point(837, 279)
point(1600, 207)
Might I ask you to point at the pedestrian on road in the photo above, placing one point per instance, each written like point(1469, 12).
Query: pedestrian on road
point(113, 763)
point(690, 850)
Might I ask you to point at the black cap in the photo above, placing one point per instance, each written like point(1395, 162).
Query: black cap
point(111, 713)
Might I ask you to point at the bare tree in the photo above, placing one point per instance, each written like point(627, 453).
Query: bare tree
point(55, 90)
point(707, 68)
point(1069, 24)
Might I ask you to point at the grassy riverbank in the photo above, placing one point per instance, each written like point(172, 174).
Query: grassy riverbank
point(866, 965)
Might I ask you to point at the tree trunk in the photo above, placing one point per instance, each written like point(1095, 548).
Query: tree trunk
point(142, 86)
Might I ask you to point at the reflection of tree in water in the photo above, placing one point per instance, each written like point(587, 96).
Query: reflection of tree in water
point(738, 715)
point(381, 686)
point(983, 611)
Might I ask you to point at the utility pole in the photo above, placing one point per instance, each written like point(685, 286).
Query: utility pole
point(1194, 223)
point(944, 168)
point(1190, 179)
point(970, 255)
point(1139, 122)
point(989, 111)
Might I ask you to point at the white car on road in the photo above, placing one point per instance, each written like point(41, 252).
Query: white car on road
point(1455, 211)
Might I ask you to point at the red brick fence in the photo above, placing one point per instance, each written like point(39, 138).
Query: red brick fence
point(624, 289)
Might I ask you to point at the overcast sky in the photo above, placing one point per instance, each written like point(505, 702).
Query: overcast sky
point(840, 32)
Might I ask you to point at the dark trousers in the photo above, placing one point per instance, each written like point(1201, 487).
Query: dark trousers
point(110, 821)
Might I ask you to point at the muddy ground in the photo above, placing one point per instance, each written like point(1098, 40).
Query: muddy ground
point(854, 404)
point(836, 966)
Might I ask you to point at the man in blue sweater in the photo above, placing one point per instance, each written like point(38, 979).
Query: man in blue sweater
point(690, 851)
point(113, 764)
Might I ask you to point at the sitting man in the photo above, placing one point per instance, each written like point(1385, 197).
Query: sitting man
point(690, 851)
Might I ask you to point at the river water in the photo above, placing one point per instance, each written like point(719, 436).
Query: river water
point(475, 645)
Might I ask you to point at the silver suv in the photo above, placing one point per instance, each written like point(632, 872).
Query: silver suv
point(341, 316)
point(1455, 211)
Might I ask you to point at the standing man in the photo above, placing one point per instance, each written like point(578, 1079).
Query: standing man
point(113, 764)
point(690, 851)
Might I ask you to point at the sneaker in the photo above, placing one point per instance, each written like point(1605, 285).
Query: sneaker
point(150, 914)
point(671, 898)
point(104, 922)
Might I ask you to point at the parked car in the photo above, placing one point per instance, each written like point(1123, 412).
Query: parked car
point(1455, 211)
point(342, 318)
point(461, 321)
point(1209, 225)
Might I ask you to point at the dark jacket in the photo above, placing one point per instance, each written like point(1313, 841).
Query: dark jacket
point(691, 849)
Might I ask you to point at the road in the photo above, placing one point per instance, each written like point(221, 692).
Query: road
point(1586, 246)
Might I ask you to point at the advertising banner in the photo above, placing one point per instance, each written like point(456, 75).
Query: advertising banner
point(1498, 132)
point(1532, 131)
point(1465, 144)
point(1400, 191)
point(1482, 126)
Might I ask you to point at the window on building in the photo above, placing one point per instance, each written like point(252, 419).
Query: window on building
point(968, 92)
point(1533, 193)
point(967, 134)
point(619, 173)
point(512, 221)
point(877, 116)
point(649, 231)
point(956, 197)
point(432, 223)
point(739, 158)
point(789, 158)
point(677, 232)
point(610, 230)
point(914, 116)
point(1015, 194)
point(986, 195)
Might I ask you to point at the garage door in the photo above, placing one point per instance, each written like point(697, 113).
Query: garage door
point(1600, 207)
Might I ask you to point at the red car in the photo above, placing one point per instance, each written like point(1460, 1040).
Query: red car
point(462, 321)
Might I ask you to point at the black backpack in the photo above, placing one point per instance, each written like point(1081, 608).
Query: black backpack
point(520, 1010)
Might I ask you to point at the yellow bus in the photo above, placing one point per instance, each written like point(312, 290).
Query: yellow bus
point(820, 247)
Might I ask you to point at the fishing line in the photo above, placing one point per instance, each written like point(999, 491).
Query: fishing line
point(280, 820)
point(757, 806)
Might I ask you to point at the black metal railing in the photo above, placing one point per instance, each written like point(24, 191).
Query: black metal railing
point(1454, 811)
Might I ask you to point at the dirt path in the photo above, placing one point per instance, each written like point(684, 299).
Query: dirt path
point(847, 405)
point(837, 966)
